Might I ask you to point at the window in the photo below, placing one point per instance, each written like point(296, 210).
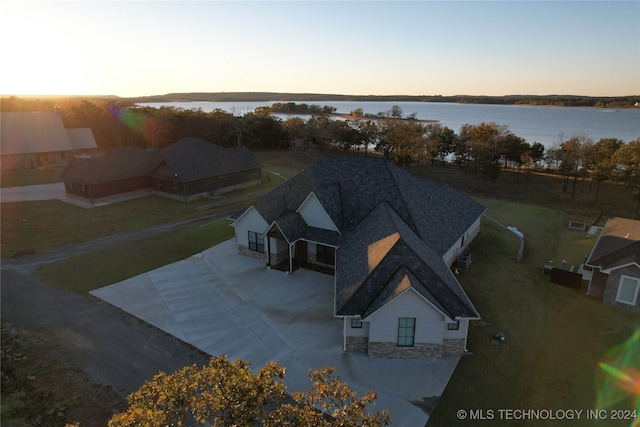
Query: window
point(356, 322)
point(628, 290)
point(453, 326)
point(256, 242)
point(326, 254)
point(406, 331)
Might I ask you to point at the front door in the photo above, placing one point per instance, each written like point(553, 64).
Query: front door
point(300, 255)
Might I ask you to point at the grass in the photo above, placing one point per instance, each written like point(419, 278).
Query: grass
point(51, 224)
point(555, 336)
point(120, 261)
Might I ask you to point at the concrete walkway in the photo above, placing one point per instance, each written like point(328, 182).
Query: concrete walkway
point(33, 192)
point(225, 303)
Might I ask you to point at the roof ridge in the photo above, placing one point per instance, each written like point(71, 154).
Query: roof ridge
point(413, 226)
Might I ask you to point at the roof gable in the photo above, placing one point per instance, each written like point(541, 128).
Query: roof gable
point(28, 133)
point(365, 282)
point(314, 214)
point(81, 138)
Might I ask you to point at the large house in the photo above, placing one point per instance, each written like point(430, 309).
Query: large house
point(188, 169)
point(39, 139)
point(615, 264)
point(390, 239)
point(192, 168)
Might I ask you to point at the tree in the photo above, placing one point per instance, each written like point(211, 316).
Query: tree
point(331, 402)
point(440, 141)
point(223, 393)
point(228, 393)
point(599, 158)
point(627, 170)
point(396, 111)
point(484, 144)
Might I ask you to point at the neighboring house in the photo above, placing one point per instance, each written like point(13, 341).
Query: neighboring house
point(188, 169)
point(122, 171)
point(615, 264)
point(83, 143)
point(38, 139)
point(390, 239)
point(193, 168)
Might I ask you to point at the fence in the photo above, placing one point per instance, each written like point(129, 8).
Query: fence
point(566, 278)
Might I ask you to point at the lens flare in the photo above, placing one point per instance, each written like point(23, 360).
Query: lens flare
point(619, 379)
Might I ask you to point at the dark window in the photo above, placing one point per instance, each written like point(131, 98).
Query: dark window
point(356, 322)
point(256, 242)
point(406, 331)
point(326, 254)
point(453, 326)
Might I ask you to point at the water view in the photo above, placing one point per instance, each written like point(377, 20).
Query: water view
point(533, 123)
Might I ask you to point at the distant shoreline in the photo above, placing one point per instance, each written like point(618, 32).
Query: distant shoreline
point(531, 100)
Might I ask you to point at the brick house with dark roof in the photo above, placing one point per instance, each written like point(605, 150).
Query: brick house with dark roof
point(123, 171)
point(193, 168)
point(615, 264)
point(188, 169)
point(388, 237)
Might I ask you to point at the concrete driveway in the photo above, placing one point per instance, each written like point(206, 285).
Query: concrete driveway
point(225, 303)
point(33, 192)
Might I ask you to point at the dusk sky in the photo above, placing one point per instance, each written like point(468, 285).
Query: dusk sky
point(360, 47)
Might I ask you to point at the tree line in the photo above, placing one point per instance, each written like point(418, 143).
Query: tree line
point(483, 149)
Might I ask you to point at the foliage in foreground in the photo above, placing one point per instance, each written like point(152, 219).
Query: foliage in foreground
point(228, 393)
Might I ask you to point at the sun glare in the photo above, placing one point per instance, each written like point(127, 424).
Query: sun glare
point(37, 60)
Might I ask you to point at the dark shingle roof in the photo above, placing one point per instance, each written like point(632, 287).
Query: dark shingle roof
point(351, 187)
point(394, 231)
point(119, 163)
point(381, 257)
point(191, 159)
point(619, 244)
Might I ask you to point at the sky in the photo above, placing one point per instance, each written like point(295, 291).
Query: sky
point(139, 48)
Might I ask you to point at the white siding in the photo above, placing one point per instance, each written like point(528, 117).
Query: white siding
point(430, 323)
point(315, 215)
point(460, 333)
point(250, 220)
point(462, 243)
point(357, 332)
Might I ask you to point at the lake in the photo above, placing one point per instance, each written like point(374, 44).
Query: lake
point(533, 123)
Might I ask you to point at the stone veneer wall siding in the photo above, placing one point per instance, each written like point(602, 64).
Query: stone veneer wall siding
point(391, 349)
point(453, 346)
point(277, 258)
point(418, 351)
point(244, 250)
point(358, 344)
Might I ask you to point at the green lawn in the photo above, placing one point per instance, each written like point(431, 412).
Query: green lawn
point(51, 224)
point(555, 336)
point(117, 262)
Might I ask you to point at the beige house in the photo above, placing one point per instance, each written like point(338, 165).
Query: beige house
point(39, 139)
point(388, 237)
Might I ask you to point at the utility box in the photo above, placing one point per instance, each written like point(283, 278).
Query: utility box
point(463, 261)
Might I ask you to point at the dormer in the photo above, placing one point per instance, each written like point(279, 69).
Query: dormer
point(315, 215)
